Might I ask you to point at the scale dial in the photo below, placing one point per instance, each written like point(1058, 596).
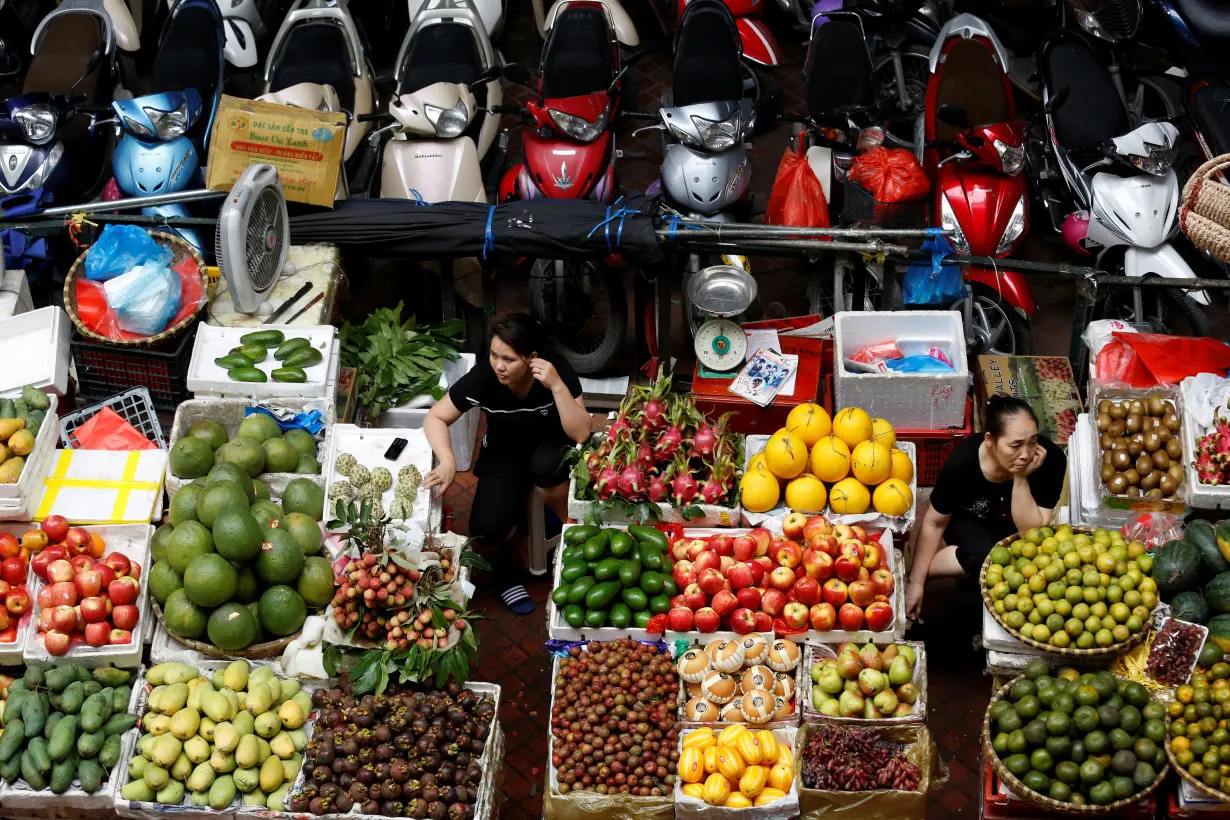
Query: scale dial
point(720, 345)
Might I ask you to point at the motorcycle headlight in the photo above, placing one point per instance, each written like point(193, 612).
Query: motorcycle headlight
point(168, 124)
point(948, 221)
point(1011, 157)
point(1014, 228)
point(136, 128)
point(1156, 162)
point(38, 122)
point(449, 122)
point(580, 128)
point(39, 178)
point(718, 135)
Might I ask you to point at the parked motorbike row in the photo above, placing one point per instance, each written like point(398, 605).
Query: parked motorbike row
point(878, 72)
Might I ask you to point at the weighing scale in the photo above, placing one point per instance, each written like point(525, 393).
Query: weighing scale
point(719, 292)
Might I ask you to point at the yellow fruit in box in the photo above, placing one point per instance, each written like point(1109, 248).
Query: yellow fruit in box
point(806, 494)
point(717, 789)
point(700, 739)
point(871, 462)
point(753, 780)
point(729, 763)
point(903, 468)
point(893, 497)
point(811, 421)
point(709, 759)
point(883, 432)
point(781, 777)
point(759, 490)
point(731, 734)
point(748, 746)
point(769, 795)
point(785, 755)
point(696, 790)
point(852, 425)
point(849, 497)
point(691, 766)
point(737, 801)
point(830, 459)
point(786, 454)
point(756, 462)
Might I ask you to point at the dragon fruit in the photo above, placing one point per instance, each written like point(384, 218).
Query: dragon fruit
point(659, 488)
point(621, 428)
point(644, 456)
point(671, 439)
point(684, 486)
point(1221, 442)
point(631, 482)
point(607, 481)
point(594, 462)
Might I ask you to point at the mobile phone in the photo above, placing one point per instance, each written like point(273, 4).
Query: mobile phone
point(395, 449)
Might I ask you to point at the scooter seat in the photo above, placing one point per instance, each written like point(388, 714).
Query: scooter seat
point(1208, 19)
point(316, 53)
point(577, 57)
point(707, 54)
point(838, 69)
point(190, 52)
point(441, 53)
point(1210, 107)
point(1091, 111)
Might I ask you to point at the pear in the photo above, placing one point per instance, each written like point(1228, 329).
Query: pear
point(848, 646)
point(304, 700)
point(850, 704)
point(885, 701)
point(174, 698)
point(146, 746)
point(871, 657)
point(235, 677)
point(908, 652)
point(903, 709)
point(830, 682)
point(900, 671)
point(889, 652)
point(260, 674)
point(136, 767)
point(218, 678)
point(851, 686)
point(137, 791)
point(201, 799)
point(222, 792)
point(265, 751)
point(181, 673)
point(870, 712)
point(907, 693)
point(871, 682)
point(194, 698)
point(830, 707)
point(849, 664)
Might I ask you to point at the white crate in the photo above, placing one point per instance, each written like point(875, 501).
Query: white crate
point(368, 446)
point(29, 486)
point(1201, 496)
point(213, 342)
point(42, 337)
point(132, 540)
point(462, 433)
point(14, 292)
point(911, 401)
point(691, 808)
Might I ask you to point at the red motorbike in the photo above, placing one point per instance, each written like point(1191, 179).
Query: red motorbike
point(974, 150)
point(760, 49)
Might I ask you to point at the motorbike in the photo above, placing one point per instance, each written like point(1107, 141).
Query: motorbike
point(243, 23)
point(625, 29)
point(759, 49)
point(973, 148)
point(1108, 186)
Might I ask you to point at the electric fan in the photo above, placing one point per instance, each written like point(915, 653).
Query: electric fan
point(252, 238)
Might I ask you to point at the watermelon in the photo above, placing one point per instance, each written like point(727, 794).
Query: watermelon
point(1217, 592)
point(1219, 631)
point(1203, 536)
point(1190, 606)
point(1176, 567)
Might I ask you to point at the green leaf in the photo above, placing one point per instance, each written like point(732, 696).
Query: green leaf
point(469, 639)
point(437, 618)
point(401, 562)
point(437, 392)
point(367, 672)
point(472, 560)
point(333, 524)
point(384, 680)
point(331, 659)
point(691, 511)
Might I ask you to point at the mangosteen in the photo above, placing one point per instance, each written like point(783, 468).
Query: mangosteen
point(299, 802)
point(439, 721)
point(399, 771)
point(474, 773)
point(391, 790)
point(382, 771)
point(345, 782)
point(324, 756)
point(481, 730)
point(424, 744)
point(381, 734)
point(476, 747)
point(349, 747)
point(466, 698)
point(437, 811)
point(333, 695)
point(310, 789)
point(453, 688)
point(430, 793)
point(428, 779)
point(370, 807)
point(332, 717)
point(417, 809)
point(366, 776)
point(412, 765)
point(449, 795)
point(463, 740)
point(339, 765)
point(459, 811)
point(412, 788)
point(326, 737)
point(348, 702)
point(430, 762)
point(368, 701)
point(462, 760)
point(343, 803)
point(393, 808)
point(446, 772)
point(322, 774)
point(366, 755)
point(472, 794)
point(318, 805)
point(403, 742)
point(352, 766)
point(419, 725)
point(419, 697)
point(357, 792)
point(329, 790)
point(384, 752)
point(397, 721)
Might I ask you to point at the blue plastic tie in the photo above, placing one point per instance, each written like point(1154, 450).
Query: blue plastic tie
point(674, 222)
point(489, 237)
point(605, 224)
point(418, 198)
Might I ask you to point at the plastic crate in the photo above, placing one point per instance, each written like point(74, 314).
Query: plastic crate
point(104, 370)
point(135, 406)
point(934, 446)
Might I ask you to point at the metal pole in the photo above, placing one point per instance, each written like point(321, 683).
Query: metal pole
point(134, 202)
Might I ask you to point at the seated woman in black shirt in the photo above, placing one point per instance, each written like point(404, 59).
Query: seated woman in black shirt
point(1005, 481)
point(534, 409)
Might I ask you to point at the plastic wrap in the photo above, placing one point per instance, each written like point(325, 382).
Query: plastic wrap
point(96, 313)
point(120, 248)
point(690, 808)
point(1153, 529)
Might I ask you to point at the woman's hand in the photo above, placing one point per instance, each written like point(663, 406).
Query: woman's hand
point(914, 599)
point(1033, 464)
point(442, 477)
point(544, 371)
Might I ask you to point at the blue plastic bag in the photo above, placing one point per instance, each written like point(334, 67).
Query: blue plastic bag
point(935, 284)
point(119, 249)
point(145, 298)
point(917, 364)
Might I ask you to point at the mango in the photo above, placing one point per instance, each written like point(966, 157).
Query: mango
point(247, 779)
point(277, 800)
point(157, 725)
point(22, 442)
point(202, 777)
point(288, 689)
point(146, 745)
point(291, 715)
point(299, 738)
point(185, 723)
point(232, 700)
point(182, 767)
point(200, 799)
point(226, 737)
point(282, 745)
point(260, 698)
point(266, 752)
point(206, 729)
point(10, 470)
point(174, 698)
point(216, 706)
point(218, 679)
point(170, 672)
point(194, 698)
point(167, 750)
point(136, 767)
point(154, 699)
point(272, 774)
point(255, 798)
point(222, 762)
point(268, 725)
point(137, 791)
point(260, 674)
point(236, 676)
point(244, 722)
point(247, 754)
point(304, 700)
point(221, 793)
point(291, 767)
point(10, 426)
point(155, 777)
point(197, 749)
point(172, 794)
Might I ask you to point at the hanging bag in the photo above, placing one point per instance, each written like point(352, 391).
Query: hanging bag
point(1205, 215)
point(797, 199)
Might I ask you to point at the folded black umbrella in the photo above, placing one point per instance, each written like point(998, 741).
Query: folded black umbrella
point(542, 228)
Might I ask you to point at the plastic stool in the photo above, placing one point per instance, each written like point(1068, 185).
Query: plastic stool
point(537, 547)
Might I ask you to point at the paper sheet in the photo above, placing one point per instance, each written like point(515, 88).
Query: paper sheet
point(760, 339)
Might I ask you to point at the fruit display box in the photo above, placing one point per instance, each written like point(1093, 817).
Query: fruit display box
point(462, 434)
point(133, 541)
point(213, 342)
point(29, 486)
point(813, 653)
point(1046, 382)
point(42, 336)
point(230, 413)
point(792, 721)
point(691, 808)
point(1176, 505)
point(368, 446)
point(1199, 495)
point(12, 653)
point(871, 518)
point(19, 795)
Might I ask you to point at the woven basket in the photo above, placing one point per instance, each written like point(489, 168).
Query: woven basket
point(1067, 652)
point(1205, 215)
point(255, 652)
point(1195, 782)
point(1022, 791)
point(182, 251)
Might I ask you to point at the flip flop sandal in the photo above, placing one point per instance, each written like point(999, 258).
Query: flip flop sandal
point(517, 599)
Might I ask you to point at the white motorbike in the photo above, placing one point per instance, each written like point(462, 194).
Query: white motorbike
point(242, 23)
point(625, 29)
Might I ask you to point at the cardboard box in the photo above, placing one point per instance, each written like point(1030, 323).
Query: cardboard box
point(305, 146)
point(1045, 382)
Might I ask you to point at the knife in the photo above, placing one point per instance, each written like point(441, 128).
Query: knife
point(304, 310)
point(285, 305)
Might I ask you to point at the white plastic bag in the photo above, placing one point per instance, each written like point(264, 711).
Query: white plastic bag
point(145, 298)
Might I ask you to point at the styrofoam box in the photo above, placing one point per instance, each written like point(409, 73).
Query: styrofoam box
point(692, 808)
point(1201, 496)
point(30, 482)
point(12, 653)
point(132, 540)
point(14, 292)
point(229, 412)
point(213, 342)
point(24, 508)
point(42, 337)
point(368, 446)
point(20, 795)
point(815, 653)
point(914, 401)
point(462, 433)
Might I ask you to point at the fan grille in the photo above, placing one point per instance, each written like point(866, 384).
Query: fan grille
point(265, 239)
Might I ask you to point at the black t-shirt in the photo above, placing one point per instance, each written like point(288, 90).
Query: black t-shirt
point(514, 422)
point(962, 491)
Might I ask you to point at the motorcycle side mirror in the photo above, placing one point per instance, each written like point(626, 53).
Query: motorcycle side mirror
point(492, 73)
point(1056, 101)
point(516, 73)
point(974, 141)
point(954, 115)
point(384, 84)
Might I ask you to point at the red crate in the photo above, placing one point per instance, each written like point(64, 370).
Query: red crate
point(934, 446)
point(998, 806)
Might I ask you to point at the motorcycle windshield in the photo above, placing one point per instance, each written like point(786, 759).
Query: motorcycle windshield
point(162, 116)
point(712, 126)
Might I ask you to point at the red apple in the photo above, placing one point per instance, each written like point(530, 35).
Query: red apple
point(740, 576)
point(118, 561)
point(679, 619)
point(788, 554)
point(13, 570)
point(764, 622)
point(63, 619)
point(763, 539)
point(758, 572)
point(807, 591)
point(98, 634)
point(40, 561)
point(4, 619)
point(60, 570)
point(81, 562)
point(106, 573)
point(781, 578)
point(851, 548)
point(850, 616)
point(795, 615)
point(834, 592)
point(34, 540)
point(683, 574)
point(863, 574)
point(724, 602)
point(134, 571)
point(56, 527)
point(5, 586)
point(749, 598)
point(883, 598)
point(842, 532)
point(773, 602)
point(883, 580)
point(694, 597)
point(743, 621)
point(822, 617)
point(44, 618)
point(706, 560)
point(44, 598)
point(766, 562)
point(794, 526)
point(695, 547)
point(871, 556)
point(63, 593)
point(862, 593)
point(706, 620)
point(846, 568)
point(78, 541)
point(679, 550)
point(93, 610)
point(709, 581)
point(860, 533)
point(826, 544)
point(123, 590)
point(817, 526)
point(9, 545)
point(125, 616)
point(726, 563)
point(775, 540)
point(677, 601)
point(817, 564)
point(120, 636)
point(57, 643)
point(879, 616)
point(722, 544)
point(744, 548)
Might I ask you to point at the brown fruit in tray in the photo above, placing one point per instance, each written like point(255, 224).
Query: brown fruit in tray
point(1103, 422)
point(1120, 460)
point(1148, 482)
point(1144, 464)
point(1136, 444)
point(1161, 459)
point(1117, 484)
point(1132, 423)
point(1153, 440)
point(1117, 410)
point(1171, 421)
point(1168, 485)
point(1174, 448)
point(1132, 475)
point(1157, 405)
point(1117, 428)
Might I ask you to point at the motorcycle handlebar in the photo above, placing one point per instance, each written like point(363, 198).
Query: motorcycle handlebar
point(509, 109)
point(374, 117)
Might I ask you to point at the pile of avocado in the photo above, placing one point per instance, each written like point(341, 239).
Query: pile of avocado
point(294, 354)
point(614, 578)
point(1084, 739)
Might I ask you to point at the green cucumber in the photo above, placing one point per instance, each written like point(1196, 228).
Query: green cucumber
point(264, 338)
point(303, 357)
point(290, 346)
point(246, 374)
point(575, 536)
point(580, 588)
point(601, 595)
point(289, 375)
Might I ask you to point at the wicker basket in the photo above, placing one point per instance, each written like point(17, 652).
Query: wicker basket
point(1022, 791)
point(255, 652)
point(1067, 652)
point(1205, 214)
point(1196, 783)
point(182, 251)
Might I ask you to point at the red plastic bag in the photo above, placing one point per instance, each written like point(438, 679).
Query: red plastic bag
point(890, 174)
point(98, 316)
point(1146, 359)
point(106, 430)
point(797, 198)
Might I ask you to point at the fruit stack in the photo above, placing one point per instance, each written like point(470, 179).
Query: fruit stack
point(869, 683)
point(20, 421)
point(15, 601)
point(1199, 726)
point(747, 680)
point(737, 767)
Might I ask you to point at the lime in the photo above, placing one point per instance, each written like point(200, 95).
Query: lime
point(1009, 721)
point(1085, 718)
point(231, 626)
point(1096, 742)
point(190, 457)
point(1144, 775)
point(1060, 746)
point(1057, 723)
point(282, 611)
point(219, 497)
point(1017, 742)
point(1040, 760)
point(1091, 771)
point(1021, 689)
point(1035, 732)
point(1067, 771)
point(1102, 794)
point(1063, 702)
point(308, 465)
point(247, 588)
point(315, 583)
point(1036, 781)
point(1017, 764)
point(1108, 717)
point(163, 580)
point(184, 619)
point(262, 489)
point(1123, 762)
point(230, 472)
point(210, 431)
point(189, 540)
point(183, 504)
point(1059, 791)
point(1028, 708)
